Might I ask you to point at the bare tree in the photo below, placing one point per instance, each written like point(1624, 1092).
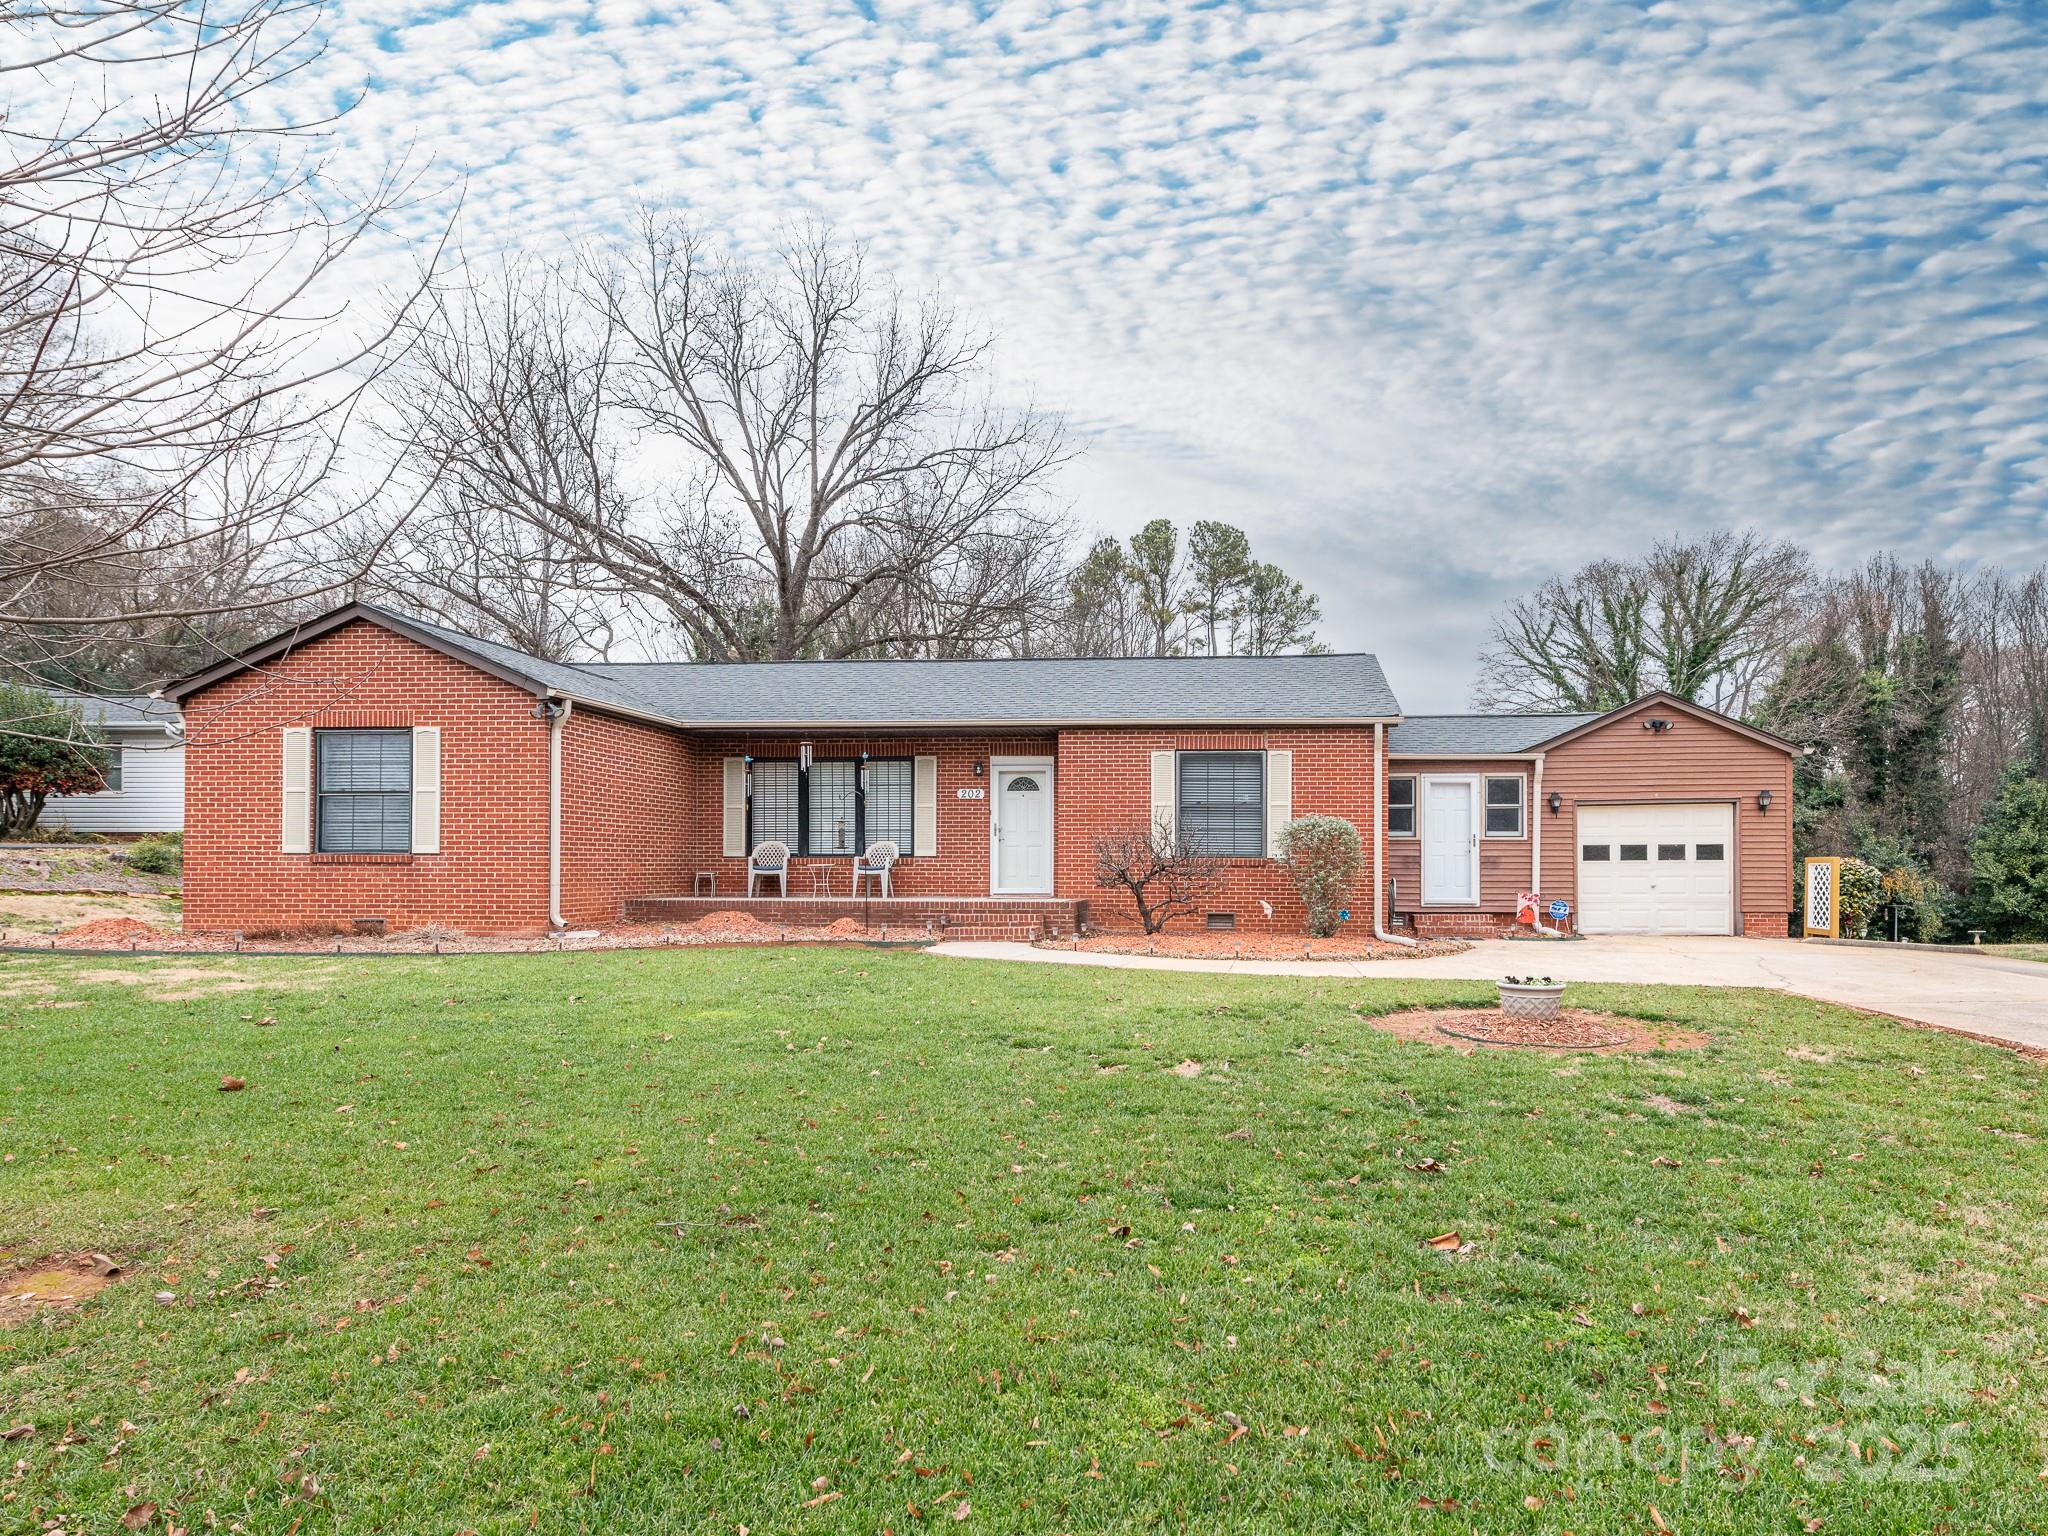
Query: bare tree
point(1707, 620)
point(1165, 877)
point(170, 379)
point(833, 480)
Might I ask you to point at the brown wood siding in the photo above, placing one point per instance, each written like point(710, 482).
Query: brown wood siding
point(1503, 861)
point(1696, 760)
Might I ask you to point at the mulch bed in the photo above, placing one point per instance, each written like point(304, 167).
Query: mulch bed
point(119, 934)
point(1258, 946)
point(1574, 1029)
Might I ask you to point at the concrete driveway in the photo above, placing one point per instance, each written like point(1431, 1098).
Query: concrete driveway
point(1979, 994)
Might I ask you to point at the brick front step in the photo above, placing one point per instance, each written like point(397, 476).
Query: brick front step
point(978, 917)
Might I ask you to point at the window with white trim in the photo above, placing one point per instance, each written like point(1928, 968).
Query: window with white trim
point(1222, 803)
point(1504, 805)
point(363, 785)
point(1401, 807)
point(111, 775)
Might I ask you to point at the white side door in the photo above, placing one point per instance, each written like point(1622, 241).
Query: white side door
point(1450, 842)
point(1666, 869)
point(1022, 831)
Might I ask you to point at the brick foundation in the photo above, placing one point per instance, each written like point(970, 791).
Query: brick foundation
point(952, 917)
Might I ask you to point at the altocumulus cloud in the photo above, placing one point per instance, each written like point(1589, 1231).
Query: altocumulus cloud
point(1433, 298)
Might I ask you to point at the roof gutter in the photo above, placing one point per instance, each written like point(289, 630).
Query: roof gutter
point(1379, 840)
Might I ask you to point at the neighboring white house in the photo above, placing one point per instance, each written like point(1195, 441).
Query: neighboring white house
point(145, 773)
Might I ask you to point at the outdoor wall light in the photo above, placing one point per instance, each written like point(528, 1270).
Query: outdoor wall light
point(977, 767)
point(1763, 800)
point(1556, 802)
point(1657, 724)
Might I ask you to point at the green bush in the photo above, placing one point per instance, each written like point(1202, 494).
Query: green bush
point(1905, 880)
point(1858, 897)
point(161, 855)
point(1324, 855)
point(47, 749)
point(2009, 860)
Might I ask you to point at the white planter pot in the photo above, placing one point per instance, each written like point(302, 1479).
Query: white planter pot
point(1530, 999)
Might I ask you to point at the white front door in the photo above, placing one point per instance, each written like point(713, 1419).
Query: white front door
point(1450, 843)
point(1021, 828)
point(1657, 868)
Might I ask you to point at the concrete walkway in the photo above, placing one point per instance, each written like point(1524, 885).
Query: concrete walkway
point(1978, 994)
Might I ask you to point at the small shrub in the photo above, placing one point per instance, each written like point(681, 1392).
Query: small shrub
point(1324, 855)
point(1164, 876)
point(1857, 899)
point(163, 855)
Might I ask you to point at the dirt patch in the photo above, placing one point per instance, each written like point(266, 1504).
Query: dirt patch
point(55, 1284)
point(114, 932)
point(30, 916)
point(183, 983)
point(845, 928)
point(1575, 1029)
point(1261, 946)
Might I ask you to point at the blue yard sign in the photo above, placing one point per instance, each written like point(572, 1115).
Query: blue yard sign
point(1560, 910)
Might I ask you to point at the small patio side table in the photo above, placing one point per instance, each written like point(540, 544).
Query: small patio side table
point(707, 883)
point(821, 880)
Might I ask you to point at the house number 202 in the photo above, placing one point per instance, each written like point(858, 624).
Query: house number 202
point(971, 794)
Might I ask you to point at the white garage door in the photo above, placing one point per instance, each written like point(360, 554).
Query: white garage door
point(1656, 868)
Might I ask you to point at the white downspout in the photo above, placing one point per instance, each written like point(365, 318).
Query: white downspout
point(1379, 839)
point(557, 718)
point(1536, 844)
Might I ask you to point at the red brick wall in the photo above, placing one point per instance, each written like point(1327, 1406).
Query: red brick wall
point(633, 799)
point(960, 868)
point(491, 875)
point(1105, 782)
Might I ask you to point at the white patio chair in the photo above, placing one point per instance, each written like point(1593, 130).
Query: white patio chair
point(770, 861)
point(874, 865)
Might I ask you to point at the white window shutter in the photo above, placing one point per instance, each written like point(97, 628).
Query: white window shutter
point(735, 807)
point(924, 807)
point(426, 789)
point(1279, 798)
point(298, 789)
point(1164, 792)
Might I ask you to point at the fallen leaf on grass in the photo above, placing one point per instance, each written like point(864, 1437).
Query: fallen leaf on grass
point(17, 1432)
point(1444, 1242)
point(1240, 1134)
point(961, 1511)
point(232, 1085)
point(1427, 1165)
point(823, 1498)
point(136, 1516)
point(1665, 1162)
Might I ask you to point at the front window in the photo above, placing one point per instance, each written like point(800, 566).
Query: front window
point(112, 773)
point(1223, 803)
point(836, 808)
point(1401, 807)
point(1504, 806)
point(365, 791)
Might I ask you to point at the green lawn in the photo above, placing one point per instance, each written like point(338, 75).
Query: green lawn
point(2020, 951)
point(955, 1241)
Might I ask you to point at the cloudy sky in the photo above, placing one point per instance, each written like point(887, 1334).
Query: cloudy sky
point(1432, 299)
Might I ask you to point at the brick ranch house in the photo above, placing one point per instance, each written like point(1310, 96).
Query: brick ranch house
point(370, 770)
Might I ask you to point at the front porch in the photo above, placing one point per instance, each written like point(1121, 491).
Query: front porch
point(1019, 918)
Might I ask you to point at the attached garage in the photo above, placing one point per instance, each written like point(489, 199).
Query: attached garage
point(1656, 868)
point(1661, 817)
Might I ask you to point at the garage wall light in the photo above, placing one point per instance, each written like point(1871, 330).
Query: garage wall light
point(1763, 800)
point(1556, 802)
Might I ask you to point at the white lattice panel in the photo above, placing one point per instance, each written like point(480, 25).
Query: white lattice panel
point(1820, 896)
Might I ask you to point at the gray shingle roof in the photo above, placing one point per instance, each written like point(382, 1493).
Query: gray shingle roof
point(1218, 690)
point(1451, 735)
point(1210, 690)
point(123, 711)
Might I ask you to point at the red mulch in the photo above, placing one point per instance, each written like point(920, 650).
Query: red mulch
point(1574, 1029)
point(1257, 946)
point(114, 933)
